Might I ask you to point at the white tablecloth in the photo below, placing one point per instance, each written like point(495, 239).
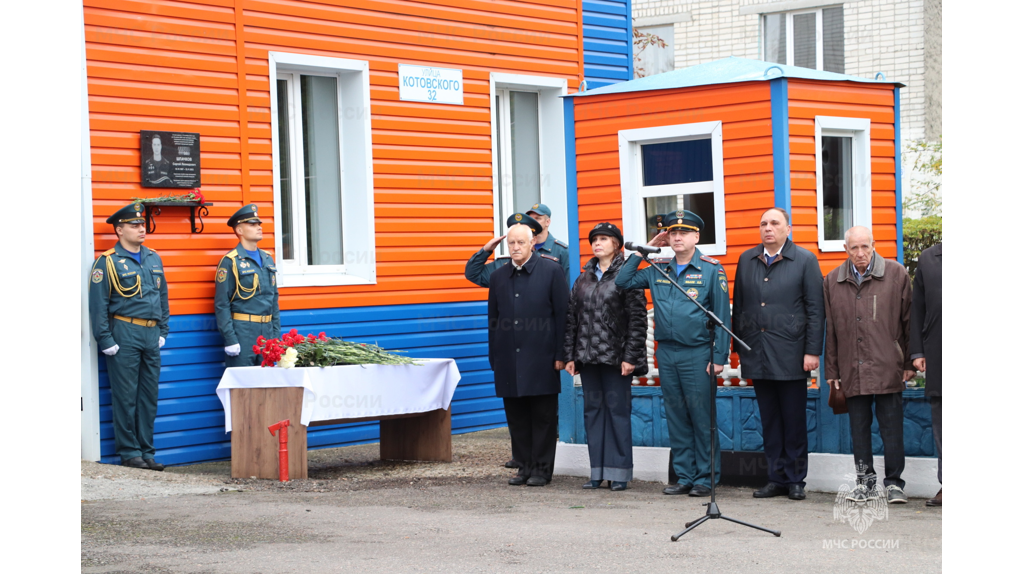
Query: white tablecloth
point(352, 391)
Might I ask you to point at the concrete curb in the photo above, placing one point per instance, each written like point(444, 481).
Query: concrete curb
point(826, 472)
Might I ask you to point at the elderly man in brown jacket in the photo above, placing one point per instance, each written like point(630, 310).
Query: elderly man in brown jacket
point(867, 307)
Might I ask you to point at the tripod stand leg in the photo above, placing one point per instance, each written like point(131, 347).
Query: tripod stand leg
point(690, 526)
point(775, 532)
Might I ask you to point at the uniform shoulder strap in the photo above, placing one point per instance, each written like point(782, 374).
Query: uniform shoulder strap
point(232, 254)
point(151, 249)
point(557, 242)
point(109, 251)
point(709, 259)
point(551, 257)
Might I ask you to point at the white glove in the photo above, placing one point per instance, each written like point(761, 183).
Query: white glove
point(111, 351)
point(162, 341)
point(233, 350)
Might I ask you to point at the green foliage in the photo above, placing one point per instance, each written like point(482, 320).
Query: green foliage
point(926, 188)
point(641, 40)
point(918, 235)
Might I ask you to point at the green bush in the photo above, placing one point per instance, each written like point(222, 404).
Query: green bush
point(918, 235)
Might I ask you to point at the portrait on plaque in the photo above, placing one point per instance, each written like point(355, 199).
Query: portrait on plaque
point(170, 159)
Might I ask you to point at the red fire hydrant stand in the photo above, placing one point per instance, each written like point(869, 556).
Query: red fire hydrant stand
point(282, 452)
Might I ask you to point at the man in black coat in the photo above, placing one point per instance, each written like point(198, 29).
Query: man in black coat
point(926, 339)
point(778, 308)
point(527, 307)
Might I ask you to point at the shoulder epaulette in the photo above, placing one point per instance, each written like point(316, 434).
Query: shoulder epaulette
point(232, 254)
point(108, 252)
point(557, 242)
point(551, 257)
point(151, 249)
point(709, 259)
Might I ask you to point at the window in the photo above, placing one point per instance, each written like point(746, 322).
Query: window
point(810, 39)
point(323, 184)
point(650, 57)
point(843, 177)
point(528, 149)
point(669, 168)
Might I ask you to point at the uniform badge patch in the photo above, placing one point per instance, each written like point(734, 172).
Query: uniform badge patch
point(519, 217)
point(157, 282)
point(222, 275)
point(692, 293)
point(273, 280)
point(254, 209)
point(722, 281)
point(138, 207)
point(97, 275)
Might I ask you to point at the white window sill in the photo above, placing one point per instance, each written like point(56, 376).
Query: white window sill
point(831, 246)
point(323, 280)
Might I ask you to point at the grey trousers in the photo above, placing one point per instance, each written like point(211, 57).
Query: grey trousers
point(607, 407)
point(937, 429)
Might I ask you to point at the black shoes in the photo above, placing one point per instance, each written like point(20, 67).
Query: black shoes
point(678, 489)
point(618, 486)
point(771, 489)
point(135, 462)
point(700, 490)
point(152, 464)
point(517, 480)
point(537, 481)
point(592, 484)
point(512, 464)
point(796, 492)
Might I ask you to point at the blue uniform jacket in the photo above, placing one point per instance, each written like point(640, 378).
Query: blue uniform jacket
point(676, 319)
point(148, 301)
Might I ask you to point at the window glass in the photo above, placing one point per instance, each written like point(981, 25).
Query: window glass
point(284, 170)
point(501, 173)
point(703, 204)
point(652, 58)
point(837, 185)
point(834, 54)
point(525, 134)
point(677, 162)
point(775, 38)
point(322, 161)
point(805, 52)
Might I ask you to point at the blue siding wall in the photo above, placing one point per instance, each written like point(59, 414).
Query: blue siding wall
point(607, 42)
point(190, 421)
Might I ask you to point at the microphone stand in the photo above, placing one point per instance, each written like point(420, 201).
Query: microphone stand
point(713, 321)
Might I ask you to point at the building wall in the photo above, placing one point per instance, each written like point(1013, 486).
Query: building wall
point(843, 99)
point(202, 66)
point(887, 36)
point(745, 113)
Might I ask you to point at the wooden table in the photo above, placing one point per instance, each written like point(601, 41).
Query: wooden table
point(423, 436)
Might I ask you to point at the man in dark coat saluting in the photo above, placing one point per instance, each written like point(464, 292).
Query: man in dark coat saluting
point(526, 312)
point(926, 339)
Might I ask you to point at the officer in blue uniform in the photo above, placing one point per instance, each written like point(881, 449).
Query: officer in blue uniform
point(479, 271)
point(245, 299)
point(679, 328)
point(130, 320)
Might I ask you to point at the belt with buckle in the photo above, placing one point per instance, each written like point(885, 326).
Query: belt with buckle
point(134, 321)
point(252, 318)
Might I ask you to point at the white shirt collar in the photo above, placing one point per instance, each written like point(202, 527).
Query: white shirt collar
point(520, 267)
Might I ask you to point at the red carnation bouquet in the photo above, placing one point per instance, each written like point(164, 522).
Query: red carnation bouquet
point(294, 350)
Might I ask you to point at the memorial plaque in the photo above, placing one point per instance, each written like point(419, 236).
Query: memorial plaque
point(170, 159)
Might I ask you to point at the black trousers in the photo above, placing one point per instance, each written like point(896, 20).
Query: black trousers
point(889, 412)
point(607, 411)
point(783, 406)
point(533, 424)
point(937, 429)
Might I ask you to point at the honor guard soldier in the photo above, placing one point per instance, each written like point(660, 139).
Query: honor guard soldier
point(479, 271)
point(679, 328)
point(129, 314)
point(245, 300)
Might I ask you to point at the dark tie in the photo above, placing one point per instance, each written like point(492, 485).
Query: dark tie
point(770, 258)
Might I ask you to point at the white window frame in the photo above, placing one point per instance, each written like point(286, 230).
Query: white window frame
point(359, 260)
point(860, 130)
point(552, 149)
point(634, 226)
point(819, 44)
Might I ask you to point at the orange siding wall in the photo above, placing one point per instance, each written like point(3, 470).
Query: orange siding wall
point(745, 113)
point(808, 99)
point(202, 66)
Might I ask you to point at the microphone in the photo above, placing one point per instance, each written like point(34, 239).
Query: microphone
point(642, 248)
